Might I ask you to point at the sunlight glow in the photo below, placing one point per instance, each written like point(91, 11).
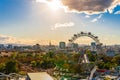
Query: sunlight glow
point(54, 4)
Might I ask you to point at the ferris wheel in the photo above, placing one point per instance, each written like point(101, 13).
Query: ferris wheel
point(88, 34)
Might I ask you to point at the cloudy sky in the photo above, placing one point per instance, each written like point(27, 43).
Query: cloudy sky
point(42, 21)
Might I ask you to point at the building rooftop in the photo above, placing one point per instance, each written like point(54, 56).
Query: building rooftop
point(39, 76)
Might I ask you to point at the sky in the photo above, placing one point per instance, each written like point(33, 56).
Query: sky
point(44, 21)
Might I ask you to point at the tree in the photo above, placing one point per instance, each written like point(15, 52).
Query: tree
point(50, 54)
point(106, 59)
point(14, 55)
point(33, 63)
point(77, 68)
point(100, 65)
point(116, 59)
point(11, 67)
point(2, 67)
point(92, 57)
point(49, 63)
point(108, 65)
point(76, 57)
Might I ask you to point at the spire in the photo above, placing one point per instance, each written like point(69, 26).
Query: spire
point(50, 43)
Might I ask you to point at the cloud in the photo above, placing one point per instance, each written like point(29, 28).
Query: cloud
point(7, 39)
point(117, 12)
point(63, 25)
point(97, 18)
point(90, 6)
point(110, 39)
point(4, 39)
point(94, 20)
point(87, 16)
point(87, 6)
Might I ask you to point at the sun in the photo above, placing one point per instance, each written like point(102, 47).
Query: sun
point(54, 4)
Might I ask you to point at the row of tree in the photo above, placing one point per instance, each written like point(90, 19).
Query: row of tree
point(51, 60)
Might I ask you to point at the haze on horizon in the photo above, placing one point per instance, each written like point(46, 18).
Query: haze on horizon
point(42, 21)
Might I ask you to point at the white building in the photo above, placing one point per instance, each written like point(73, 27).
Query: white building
point(39, 76)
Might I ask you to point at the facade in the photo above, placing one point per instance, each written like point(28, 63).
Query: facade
point(9, 47)
point(2, 46)
point(93, 46)
point(75, 45)
point(62, 45)
point(36, 47)
point(110, 52)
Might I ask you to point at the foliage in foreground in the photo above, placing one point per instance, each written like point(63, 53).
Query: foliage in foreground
point(35, 62)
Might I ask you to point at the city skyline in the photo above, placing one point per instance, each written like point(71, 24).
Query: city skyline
point(42, 21)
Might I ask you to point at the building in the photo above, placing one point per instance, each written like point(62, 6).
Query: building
point(10, 47)
point(2, 47)
point(36, 47)
point(62, 45)
point(110, 52)
point(93, 46)
point(75, 45)
point(39, 76)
